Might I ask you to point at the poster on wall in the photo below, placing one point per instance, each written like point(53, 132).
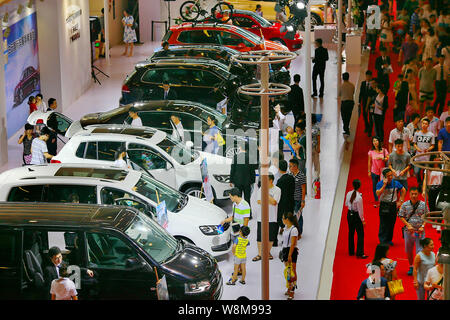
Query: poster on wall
point(21, 69)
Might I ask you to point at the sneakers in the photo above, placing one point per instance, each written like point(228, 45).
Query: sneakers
point(410, 271)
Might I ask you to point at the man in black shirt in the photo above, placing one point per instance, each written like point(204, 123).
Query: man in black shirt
point(52, 144)
point(242, 173)
point(320, 59)
point(287, 185)
point(295, 98)
point(364, 94)
point(383, 67)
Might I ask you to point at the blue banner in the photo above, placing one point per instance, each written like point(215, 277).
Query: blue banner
point(21, 71)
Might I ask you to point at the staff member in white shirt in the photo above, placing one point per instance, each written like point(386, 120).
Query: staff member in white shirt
point(178, 131)
point(356, 221)
point(137, 122)
point(274, 198)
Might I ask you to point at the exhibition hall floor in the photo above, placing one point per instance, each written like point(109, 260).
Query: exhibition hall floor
point(316, 214)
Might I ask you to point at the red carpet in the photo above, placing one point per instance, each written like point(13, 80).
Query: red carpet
point(348, 271)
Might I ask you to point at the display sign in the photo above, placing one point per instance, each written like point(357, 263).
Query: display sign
point(206, 186)
point(21, 68)
point(73, 22)
point(161, 214)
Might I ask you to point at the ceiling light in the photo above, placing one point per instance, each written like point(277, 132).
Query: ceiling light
point(300, 5)
point(20, 9)
point(30, 4)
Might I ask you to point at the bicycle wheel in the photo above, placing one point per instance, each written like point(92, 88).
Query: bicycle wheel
point(222, 12)
point(190, 11)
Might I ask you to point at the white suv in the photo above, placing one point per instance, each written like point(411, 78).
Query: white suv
point(148, 150)
point(189, 218)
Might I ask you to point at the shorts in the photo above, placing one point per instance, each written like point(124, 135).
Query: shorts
point(273, 231)
point(426, 96)
point(239, 261)
point(285, 254)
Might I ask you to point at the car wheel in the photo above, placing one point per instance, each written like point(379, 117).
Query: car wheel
point(195, 192)
point(185, 240)
point(315, 20)
point(277, 40)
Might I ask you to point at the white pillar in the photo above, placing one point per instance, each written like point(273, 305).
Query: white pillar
point(308, 112)
point(339, 49)
point(3, 133)
point(106, 19)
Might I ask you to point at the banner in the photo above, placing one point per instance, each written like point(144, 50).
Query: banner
point(161, 213)
point(21, 69)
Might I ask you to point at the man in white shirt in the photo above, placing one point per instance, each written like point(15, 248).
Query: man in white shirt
point(137, 122)
point(274, 198)
point(434, 121)
point(178, 131)
point(400, 132)
point(39, 151)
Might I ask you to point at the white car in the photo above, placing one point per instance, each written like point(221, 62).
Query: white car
point(148, 150)
point(190, 219)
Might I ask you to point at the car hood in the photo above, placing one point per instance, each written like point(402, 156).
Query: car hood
point(216, 164)
point(191, 263)
point(202, 212)
point(271, 45)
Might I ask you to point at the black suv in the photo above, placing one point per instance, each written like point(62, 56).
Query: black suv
point(205, 81)
point(193, 116)
point(122, 246)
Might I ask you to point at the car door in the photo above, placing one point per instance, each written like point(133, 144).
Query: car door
point(121, 272)
point(150, 82)
point(235, 41)
point(114, 196)
point(144, 158)
point(10, 263)
point(207, 83)
point(155, 119)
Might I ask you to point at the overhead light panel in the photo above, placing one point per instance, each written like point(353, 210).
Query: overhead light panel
point(20, 9)
point(30, 4)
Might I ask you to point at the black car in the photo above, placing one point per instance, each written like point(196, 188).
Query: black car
point(224, 55)
point(205, 81)
point(124, 248)
point(193, 116)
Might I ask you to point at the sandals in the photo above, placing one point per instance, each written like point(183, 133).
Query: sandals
point(242, 281)
point(231, 282)
point(258, 257)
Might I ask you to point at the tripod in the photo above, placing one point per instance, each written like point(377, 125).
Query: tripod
point(94, 68)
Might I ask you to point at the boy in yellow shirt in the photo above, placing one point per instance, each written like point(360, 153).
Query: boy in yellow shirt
point(240, 255)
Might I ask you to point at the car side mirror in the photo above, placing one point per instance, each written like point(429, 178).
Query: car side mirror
point(168, 166)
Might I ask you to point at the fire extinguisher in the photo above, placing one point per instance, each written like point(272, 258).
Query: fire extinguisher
point(317, 188)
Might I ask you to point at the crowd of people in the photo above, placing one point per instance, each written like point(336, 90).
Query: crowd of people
point(414, 40)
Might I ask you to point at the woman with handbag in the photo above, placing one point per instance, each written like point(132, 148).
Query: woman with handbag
point(389, 266)
point(423, 262)
point(289, 251)
point(356, 221)
point(129, 33)
point(378, 157)
point(386, 35)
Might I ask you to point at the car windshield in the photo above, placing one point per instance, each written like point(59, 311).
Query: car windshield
point(178, 151)
point(159, 192)
point(152, 238)
point(248, 35)
point(262, 21)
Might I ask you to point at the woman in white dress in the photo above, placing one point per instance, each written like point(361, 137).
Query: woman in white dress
point(129, 34)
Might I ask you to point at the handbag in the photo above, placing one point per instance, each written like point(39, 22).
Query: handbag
point(386, 208)
point(395, 287)
point(436, 294)
point(235, 227)
point(375, 293)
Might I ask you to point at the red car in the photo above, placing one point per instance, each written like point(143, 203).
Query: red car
point(219, 34)
point(260, 26)
point(29, 82)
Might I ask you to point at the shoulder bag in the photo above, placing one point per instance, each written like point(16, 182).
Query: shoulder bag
point(235, 227)
point(436, 294)
point(388, 207)
point(395, 287)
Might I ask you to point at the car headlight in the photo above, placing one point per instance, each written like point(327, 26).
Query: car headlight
point(197, 287)
point(224, 178)
point(209, 230)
